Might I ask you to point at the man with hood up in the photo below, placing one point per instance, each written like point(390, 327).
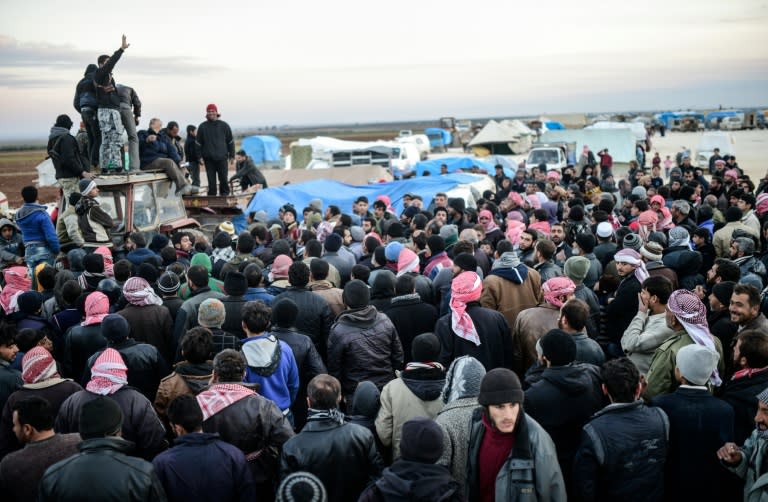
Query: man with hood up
point(415, 393)
point(65, 154)
point(10, 238)
point(87, 104)
point(41, 244)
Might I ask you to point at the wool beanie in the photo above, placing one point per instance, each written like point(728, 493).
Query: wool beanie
point(425, 348)
point(499, 386)
point(558, 347)
point(632, 241)
point(235, 284)
point(457, 204)
point(211, 313)
point(29, 302)
point(436, 244)
point(357, 232)
point(465, 262)
point(115, 328)
point(356, 294)
point(158, 242)
point(99, 417)
point(450, 234)
point(284, 313)
point(696, 363)
point(652, 251)
point(410, 211)
point(85, 186)
point(168, 283)
point(301, 486)
point(421, 440)
point(392, 251)
point(333, 242)
point(576, 268)
point(723, 291)
point(395, 230)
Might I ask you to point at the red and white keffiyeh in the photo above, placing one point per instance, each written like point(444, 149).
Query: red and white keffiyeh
point(466, 287)
point(219, 396)
point(38, 365)
point(686, 306)
point(96, 308)
point(17, 281)
point(109, 373)
point(634, 258)
point(138, 292)
point(109, 267)
point(557, 290)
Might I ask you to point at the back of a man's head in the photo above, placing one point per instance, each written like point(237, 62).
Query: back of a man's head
point(658, 286)
point(405, 285)
point(621, 379)
point(313, 249)
point(229, 366)
point(319, 269)
point(100, 417)
point(185, 412)
point(29, 194)
point(197, 345)
point(256, 316)
point(324, 392)
point(35, 412)
point(197, 276)
point(298, 274)
point(576, 312)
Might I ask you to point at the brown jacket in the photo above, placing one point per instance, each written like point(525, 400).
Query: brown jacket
point(330, 294)
point(510, 298)
point(187, 379)
point(530, 326)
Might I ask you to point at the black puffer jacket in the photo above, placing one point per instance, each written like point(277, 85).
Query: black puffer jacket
point(562, 401)
point(687, 265)
point(233, 320)
point(343, 456)
point(140, 423)
point(80, 343)
point(315, 316)
point(146, 367)
point(495, 349)
point(363, 345)
point(121, 477)
point(66, 154)
point(411, 317)
point(407, 480)
point(622, 454)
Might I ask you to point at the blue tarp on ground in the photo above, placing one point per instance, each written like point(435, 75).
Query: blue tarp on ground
point(463, 163)
point(262, 148)
point(343, 195)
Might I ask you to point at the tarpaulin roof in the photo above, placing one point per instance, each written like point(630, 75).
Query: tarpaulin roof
point(343, 195)
point(262, 148)
point(619, 142)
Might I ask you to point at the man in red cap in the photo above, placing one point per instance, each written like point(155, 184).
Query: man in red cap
point(217, 149)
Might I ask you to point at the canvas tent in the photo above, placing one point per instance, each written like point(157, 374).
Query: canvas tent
point(262, 149)
point(619, 142)
point(507, 137)
point(637, 128)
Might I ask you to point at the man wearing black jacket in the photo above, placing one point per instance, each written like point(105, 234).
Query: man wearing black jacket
point(217, 148)
point(86, 104)
point(65, 155)
point(110, 123)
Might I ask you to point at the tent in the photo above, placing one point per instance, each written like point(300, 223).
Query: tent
point(619, 142)
point(551, 125)
point(637, 128)
point(502, 138)
point(262, 149)
point(343, 195)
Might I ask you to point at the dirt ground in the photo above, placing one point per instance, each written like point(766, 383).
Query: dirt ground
point(17, 170)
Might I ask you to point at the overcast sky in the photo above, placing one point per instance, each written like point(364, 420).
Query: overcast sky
point(309, 62)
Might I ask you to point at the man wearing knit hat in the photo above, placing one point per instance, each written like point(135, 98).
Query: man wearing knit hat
point(747, 461)
point(576, 269)
point(95, 223)
point(217, 149)
point(687, 317)
point(652, 254)
point(501, 435)
point(103, 450)
point(584, 245)
point(698, 424)
point(648, 329)
point(415, 475)
point(624, 446)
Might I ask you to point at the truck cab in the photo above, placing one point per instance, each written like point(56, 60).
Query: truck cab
point(553, 156)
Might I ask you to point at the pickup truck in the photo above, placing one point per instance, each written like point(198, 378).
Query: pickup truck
point(553, 156)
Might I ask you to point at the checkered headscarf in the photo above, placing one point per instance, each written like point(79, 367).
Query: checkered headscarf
point(691, 313)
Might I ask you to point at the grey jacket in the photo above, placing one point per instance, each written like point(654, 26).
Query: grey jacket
point(456, 419)
point(753, 457)
point(644, 335)
point(531, 472)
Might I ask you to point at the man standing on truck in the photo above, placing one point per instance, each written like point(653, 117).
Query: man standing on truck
point(110, 123)
point(217, 148)
point(130, 111)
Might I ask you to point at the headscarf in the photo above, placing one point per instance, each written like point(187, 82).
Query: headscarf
point(466, 287)
point(634, 258)
point(552, 174)
point(38, 365)
point(17, 281)
point(138, 292)
point(733, 173)
point(219, 396)
point(557, 290)
point(516, 198)
point(463, 379)
point(407, 261)
point(686, 306)
point(647, 222)
point(514, 229)
point(109, 373)
point(533, 201)
point(108, 260)
point(679, 236)
point(761, 204)
point(489, 225)
point(96, 308)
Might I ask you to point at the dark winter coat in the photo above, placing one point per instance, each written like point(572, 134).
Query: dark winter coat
point(161, 148)
point(740, 394)
point(407, 480)
point(411, 317)
point(620, 312)
point(106, 90)
point(151, 324)
point(343, 456)
point(146, 367)
point(699, 424)
point(248, 174)
point(80, 343)
point(10, 380)
point(233, 320)
point(121, 477)
point(315, 316)
point(140, 423)
point(202, 467)
point(687, 265)
point(495, 349)
point(562, 401)
point(65, 154)
point(363, 345)
point(214, 140)
point(622, 454)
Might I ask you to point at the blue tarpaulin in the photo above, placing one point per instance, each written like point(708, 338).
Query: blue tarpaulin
point(343, 195)
point(554, 126)
point(262, 148)
point(438, 137)
point(455, 164)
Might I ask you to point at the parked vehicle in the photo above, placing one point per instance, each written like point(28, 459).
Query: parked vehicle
point(707, 144)
point(554, 156)
point(420, 141)
point(439, 138)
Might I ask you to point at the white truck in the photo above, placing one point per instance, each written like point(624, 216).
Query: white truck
point(554, 156)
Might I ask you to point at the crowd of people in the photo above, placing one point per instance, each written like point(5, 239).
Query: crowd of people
point(569, 335)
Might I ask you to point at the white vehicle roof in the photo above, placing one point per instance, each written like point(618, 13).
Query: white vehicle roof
point(716, 139)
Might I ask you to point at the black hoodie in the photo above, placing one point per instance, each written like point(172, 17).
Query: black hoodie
point(408, 480)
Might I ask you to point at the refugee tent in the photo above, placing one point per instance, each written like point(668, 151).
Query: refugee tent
point(619, 142)
point(637, 128)
point(343, 195)
point(507, 137)
point(262, 149)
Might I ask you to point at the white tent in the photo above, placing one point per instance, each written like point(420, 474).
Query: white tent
point(505, 137)
point(637, 128)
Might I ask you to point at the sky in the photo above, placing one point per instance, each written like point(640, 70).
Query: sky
point(307, 62)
